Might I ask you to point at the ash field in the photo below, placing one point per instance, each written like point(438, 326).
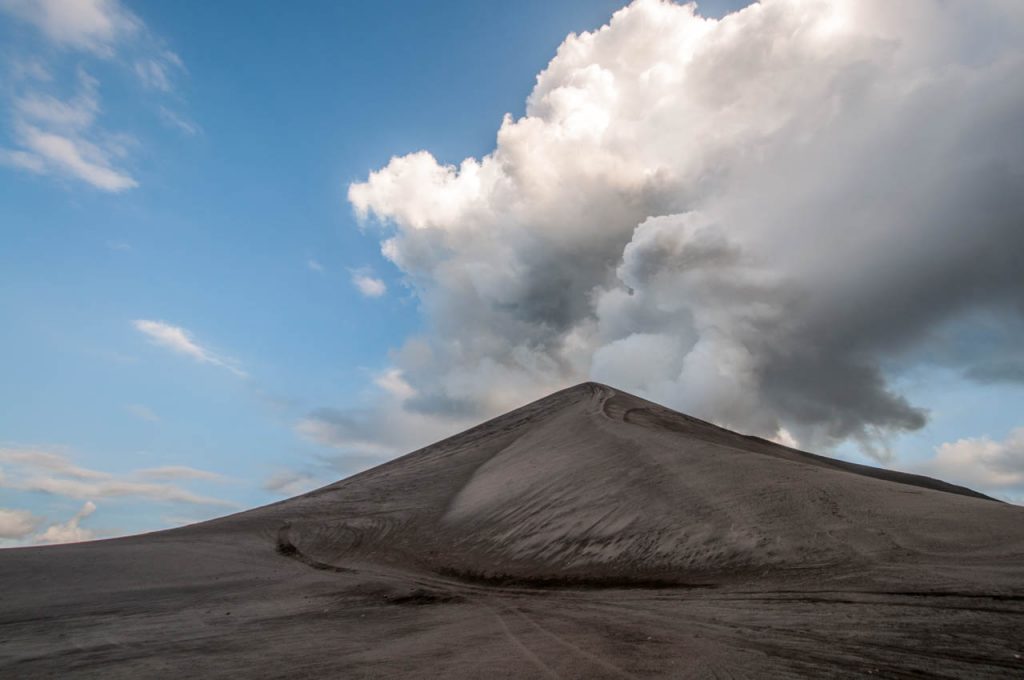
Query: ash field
point(590, 534)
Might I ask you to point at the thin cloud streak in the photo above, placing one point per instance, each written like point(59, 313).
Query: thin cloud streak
point(47, 471)
point(180, 341)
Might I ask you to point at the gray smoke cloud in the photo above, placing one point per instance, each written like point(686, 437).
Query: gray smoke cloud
point(758, 220)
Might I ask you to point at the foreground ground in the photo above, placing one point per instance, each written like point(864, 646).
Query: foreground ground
point(590, 535)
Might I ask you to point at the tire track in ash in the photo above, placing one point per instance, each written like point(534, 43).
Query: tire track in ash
point(684, 632)
point(593, 658)
point(526, 652)
point(286, 548)
point(806, 649)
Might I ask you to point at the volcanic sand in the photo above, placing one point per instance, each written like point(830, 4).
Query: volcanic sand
point(590, 534)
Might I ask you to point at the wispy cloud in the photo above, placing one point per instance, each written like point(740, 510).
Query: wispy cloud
point(92, 25)
point(45, 151)
point(52, 133)
point(38, 460)
point(314, 265)
point(30, 69)
point(59, 136)
point(169, 472)
point(156, 72)
point(53, 472)
point(179, 122)
point(368, 284)
point(180, 341)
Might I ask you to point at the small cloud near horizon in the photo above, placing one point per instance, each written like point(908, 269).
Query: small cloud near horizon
point(70, 531)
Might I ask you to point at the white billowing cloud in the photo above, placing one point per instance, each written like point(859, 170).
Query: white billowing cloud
point(756, 219)
point(92, 25)
point(367, 284)
point(982, 463)
point(17, 524)
point(70, 531)
point(53, 472)
point(180, 341)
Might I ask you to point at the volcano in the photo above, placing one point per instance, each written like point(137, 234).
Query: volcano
point(589, 534)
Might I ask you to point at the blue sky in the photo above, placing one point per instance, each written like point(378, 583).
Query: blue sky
point(195, 318)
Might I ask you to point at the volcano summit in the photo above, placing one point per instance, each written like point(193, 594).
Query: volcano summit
point(589, 534)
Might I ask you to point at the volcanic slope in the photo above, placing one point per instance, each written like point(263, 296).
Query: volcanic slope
point(588, 534)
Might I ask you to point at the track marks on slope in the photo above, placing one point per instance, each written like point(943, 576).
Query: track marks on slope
point(288, 549)
point(575, 649)
point(518, 644)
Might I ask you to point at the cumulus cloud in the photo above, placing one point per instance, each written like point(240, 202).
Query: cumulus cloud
point(180, 341)
point(980, 462)
point(759, 220)
point(53, 472)
point(368, 284)
point(70, 531)
point(17, 524)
